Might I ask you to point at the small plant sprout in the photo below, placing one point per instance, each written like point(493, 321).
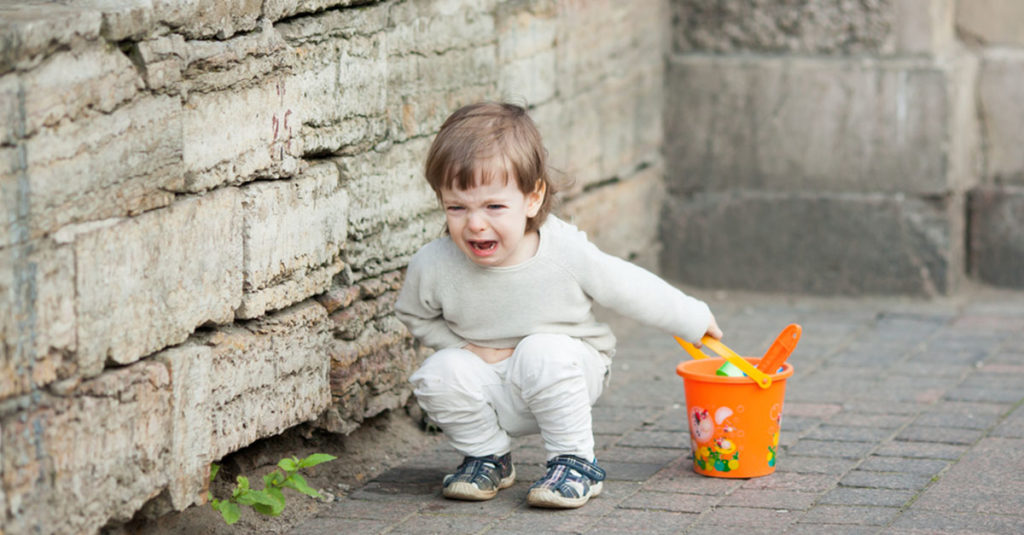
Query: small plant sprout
point(270, 500)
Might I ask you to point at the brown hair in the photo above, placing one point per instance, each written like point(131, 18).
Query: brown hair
point(488, 140)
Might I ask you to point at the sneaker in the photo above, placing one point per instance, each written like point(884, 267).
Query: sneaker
point(480, 478)
point(569, 483)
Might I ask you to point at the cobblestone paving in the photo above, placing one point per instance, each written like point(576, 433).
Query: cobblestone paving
point(903, 416)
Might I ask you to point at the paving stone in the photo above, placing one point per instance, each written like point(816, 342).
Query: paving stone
point(325, 525)
point(770, 499)
point(815, 465)
point(879, 421)
point(917, 521)
point(813, 529)
point(656, 439)
point(987, 479)
point(883, 407)
point(680, 477)
point(369, 510)
point(831, 448)
point(659, 456)
point(920, 450)
point(885, 480)
point(811, 410)
point(432, 524)
point(627, 471)
point(873, 497)
point(797, 424)
point(950, 419)
point(849, 515)
point(1012, 426)
point(992, 395)
point(942, 435)
point(637, 521)
point(898, 464)
point(536, 521)
point(792, 481)
point(745, 517)
point(842, 432)
point(670, 501)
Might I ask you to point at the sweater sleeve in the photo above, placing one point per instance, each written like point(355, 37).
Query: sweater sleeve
point(639, 294)
point(419, 310)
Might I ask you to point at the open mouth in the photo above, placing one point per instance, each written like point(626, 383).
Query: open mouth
point(483, 247)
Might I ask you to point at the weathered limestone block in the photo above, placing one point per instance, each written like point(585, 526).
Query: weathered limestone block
point(815, 243)
point(817, 26)
point(527, 34)
point(72, 463)
point(12, 127)
point(124, 19)
point(200, 19)
point(370, 374)
point(341, 296)
point(37, 315)
point(996, 240)
point(237, 384)
point(343, 75)
point(94, 76)
point(161, 61)
point(1001, 98)
point(632, 233)
point(794, 124)
point(30, 33)
point(238, 135)
point(393, 246)
point(997, 22)
point(279, 9)
point(386, 186)
point(603, 39)
point(423, 90)
point(236, 62)
point(108, 165)
point(293, 231)
point(442, 55)
point(426, 27)
point(145, 283)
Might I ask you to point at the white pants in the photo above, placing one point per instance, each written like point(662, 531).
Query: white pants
point(546, 386)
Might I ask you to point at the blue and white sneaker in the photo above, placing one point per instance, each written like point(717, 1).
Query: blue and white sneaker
point(480, 478)
point(569, 483)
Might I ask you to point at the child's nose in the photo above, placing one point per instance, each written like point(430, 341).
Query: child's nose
point(477, 221)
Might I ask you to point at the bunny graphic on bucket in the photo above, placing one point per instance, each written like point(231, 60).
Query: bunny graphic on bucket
point(714, 440)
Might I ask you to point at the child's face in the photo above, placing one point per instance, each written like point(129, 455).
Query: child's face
point(488, 222)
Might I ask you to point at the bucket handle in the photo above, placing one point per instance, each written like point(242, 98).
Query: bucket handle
point(763, 380)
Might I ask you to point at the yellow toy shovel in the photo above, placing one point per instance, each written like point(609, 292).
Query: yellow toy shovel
point(763, 380)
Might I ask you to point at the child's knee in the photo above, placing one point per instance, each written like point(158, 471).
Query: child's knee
point(448, 369)
point(546, 357)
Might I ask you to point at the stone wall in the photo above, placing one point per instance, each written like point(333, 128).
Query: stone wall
point(845, 147)
point(208, 207)
point(994, 29)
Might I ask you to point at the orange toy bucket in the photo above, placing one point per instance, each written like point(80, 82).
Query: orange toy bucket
point(734, 422)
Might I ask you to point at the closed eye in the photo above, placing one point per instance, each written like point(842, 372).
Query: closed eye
point(495, 206)
point(453, 208)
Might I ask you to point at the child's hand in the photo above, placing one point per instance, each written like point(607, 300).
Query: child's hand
point(713, 331)
point(490, 355)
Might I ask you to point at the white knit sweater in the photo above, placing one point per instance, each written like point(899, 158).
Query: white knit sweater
point(447, 300)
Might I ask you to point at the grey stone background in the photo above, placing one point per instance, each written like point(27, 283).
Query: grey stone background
point(208, 204)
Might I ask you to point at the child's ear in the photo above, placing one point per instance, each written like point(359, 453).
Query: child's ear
point(535, 199)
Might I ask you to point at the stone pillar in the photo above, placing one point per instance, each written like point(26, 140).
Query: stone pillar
point(996, 207)
point(822, 147)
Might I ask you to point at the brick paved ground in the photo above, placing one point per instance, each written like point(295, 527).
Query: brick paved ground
point(903, 416)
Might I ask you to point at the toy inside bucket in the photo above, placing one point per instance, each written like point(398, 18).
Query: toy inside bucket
point(734, 422)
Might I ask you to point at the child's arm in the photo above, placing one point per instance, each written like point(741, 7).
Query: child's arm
point(639, 294)
point(417, 309)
